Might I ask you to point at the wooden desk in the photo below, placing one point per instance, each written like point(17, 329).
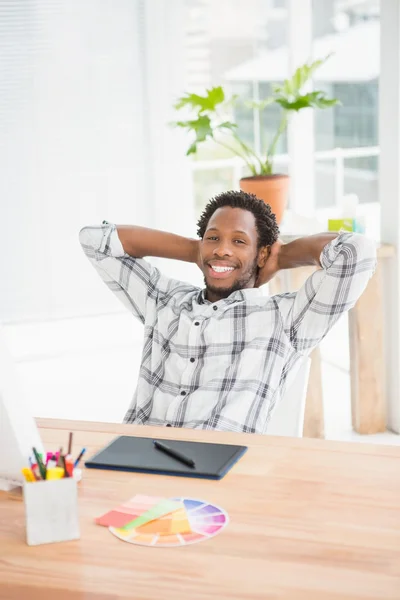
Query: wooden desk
point(310, 520)
point(368, 397)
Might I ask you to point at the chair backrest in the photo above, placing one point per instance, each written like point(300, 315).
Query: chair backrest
point(288, 415)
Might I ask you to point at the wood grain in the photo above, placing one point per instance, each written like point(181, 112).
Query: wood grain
point(310, 520)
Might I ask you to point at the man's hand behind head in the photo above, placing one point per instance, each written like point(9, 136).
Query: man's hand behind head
point(197, 257)
point(271, 266)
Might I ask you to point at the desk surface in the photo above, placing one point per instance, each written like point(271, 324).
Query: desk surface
point(310, 520)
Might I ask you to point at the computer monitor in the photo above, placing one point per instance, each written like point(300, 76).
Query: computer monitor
point(18, 430)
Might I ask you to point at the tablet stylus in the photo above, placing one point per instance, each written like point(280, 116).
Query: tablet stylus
point(174, 453)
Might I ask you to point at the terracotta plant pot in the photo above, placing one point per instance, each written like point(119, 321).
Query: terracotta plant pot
point(273, 189)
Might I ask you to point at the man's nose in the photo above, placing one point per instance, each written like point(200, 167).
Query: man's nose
point(223, 249)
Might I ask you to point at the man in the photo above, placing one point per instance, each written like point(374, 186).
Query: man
point(219, 357)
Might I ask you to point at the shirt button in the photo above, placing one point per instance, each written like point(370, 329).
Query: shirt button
point(183, 393)
point(215, 307)
point(192, 359)
point(197, 323)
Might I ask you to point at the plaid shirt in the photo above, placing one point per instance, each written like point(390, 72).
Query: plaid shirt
point(224, 365)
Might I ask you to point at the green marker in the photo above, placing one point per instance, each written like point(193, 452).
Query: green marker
point(42, 468)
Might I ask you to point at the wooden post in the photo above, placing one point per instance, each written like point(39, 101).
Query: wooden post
point(314, 410)
point(367, 361)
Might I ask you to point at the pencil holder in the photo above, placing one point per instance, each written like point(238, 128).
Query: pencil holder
point(51, 511)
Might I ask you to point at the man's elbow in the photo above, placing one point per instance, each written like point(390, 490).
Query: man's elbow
point(87, 240)
point(365, 248)
point(84, 236)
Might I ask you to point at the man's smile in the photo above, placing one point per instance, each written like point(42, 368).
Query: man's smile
point(220, 269)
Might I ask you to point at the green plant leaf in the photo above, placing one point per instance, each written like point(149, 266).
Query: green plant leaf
point(316, 99)
point(325, 102)
point(202, 129)
point(207, 109)
point(182, 124)
point(213, 97)
point(288, 87)
point(301, 76)
point(227, 125)
point(276, 88)
point(293, 85)
point(192, 149)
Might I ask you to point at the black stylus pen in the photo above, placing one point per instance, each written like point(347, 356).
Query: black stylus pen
point(174, 453)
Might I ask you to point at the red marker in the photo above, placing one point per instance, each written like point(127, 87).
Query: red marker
point(69, 465)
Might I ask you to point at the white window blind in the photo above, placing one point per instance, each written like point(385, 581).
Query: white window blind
point(72, 147)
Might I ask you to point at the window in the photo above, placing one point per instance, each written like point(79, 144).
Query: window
point(350, 30)
point(229, 43)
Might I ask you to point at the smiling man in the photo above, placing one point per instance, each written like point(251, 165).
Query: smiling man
point(219, 357)
point(235, 244)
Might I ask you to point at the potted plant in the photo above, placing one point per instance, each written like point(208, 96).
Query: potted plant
point(208, 121)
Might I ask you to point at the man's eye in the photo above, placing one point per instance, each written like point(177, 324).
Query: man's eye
point(239, 241)
point(212, 238)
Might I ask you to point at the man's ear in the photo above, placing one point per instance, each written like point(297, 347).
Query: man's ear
point(263, 255)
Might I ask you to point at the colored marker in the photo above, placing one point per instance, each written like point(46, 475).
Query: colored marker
point(54, 473)
point(42, 468)
point(28, 474)
point(82, 452)
point(69, 465)
point(34, 469)
point(52, 462)
point(59, 458)
point(66, 474)
point(70, 443)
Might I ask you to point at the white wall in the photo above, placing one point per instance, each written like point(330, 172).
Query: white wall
point(389, 197)
point(86, 95)
point(171, 184)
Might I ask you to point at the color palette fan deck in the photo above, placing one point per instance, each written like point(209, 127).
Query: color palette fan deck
point(161, 522)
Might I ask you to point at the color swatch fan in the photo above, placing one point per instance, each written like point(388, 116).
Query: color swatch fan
point(161, 522)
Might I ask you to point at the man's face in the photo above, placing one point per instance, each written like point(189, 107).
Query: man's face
point(229, 251)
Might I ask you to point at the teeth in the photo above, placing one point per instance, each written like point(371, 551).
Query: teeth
point(222, 269)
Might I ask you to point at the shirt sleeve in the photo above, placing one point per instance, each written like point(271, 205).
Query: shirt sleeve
point(133, 280)
point(348, 262)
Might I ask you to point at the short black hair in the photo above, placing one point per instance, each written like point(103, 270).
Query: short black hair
point(267, 227)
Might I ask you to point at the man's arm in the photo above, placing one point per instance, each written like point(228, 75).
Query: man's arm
point(140, 241)
point(304, 251)
point(116, 254)
point(348, 261)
